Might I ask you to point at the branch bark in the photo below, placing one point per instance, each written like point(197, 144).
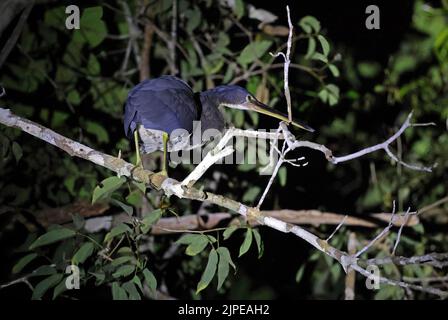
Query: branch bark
point(173, 187)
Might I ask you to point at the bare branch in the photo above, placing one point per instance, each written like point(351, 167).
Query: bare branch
point(274, 173)
point(406, 218)
point(385, 146)
point(379, 236)
point(15, 34)
point(442, 294)
point(437, 260)
point(426, 279)
point(16, 281)
point(433, 205)
point(145, 66)
point(286, 66)
point(337, 228)
point(350, 278)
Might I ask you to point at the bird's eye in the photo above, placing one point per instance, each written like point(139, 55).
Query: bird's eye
point(249, 98)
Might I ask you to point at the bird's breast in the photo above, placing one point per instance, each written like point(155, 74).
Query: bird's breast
point(152, 140)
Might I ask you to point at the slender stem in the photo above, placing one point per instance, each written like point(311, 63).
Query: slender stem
point(138, 161)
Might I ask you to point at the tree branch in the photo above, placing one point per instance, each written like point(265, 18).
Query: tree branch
point(286, 66)
point(173, 187)
point(16, 33)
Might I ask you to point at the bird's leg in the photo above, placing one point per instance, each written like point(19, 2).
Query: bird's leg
point(165, 138)
point(138, 161)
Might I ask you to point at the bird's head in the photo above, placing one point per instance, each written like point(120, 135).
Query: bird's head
point(236, 97)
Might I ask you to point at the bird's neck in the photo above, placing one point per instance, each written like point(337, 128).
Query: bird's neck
point(211, 98)
point(211, 116)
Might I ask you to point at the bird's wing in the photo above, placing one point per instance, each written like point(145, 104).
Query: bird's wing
point(166, 103)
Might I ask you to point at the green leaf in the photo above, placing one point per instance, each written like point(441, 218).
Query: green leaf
point(4, 142)
point(325, 45)
point(329, 94)
point(223, 266)
point(106, 187)
point(239, 9)
point(61, 287)
point(43, 271)
point(99, 277)
point(121, 260)
point(253, 51)
point(92, 27)
point(246, 243)
point(229, 231)
point(222, 42)
point(134, 198)
point(209, 271)
point(124, 271)
point(260, 245)
point(334, 70)
point(132, 290)
point(333, 97)
point(46, 284)
point(369, 69)
point(93, 65)
point(422, 147)
point(17, 151)
point(300, 273)
point(120, 229)
point(138, 282)
point(150, 219)
point(73, 97)
point(78, 221)
point(282, 176)
point(23, 262)
point(194, 19)
point(140, 185)
point(251, 194)
point(118, 293)
point(98, 130)
point(83, 253)
point(52, 236)
point(309, 23)
point(188, 238)
point(197, 246)
point(55, 17)
point(311, 48)
point(150, 280)
point(128, 209)
point(320, 57)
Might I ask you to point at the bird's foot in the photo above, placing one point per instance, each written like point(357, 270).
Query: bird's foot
point(163, 173)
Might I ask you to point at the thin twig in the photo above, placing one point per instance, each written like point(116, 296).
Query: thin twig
point(406, 218)
point(379, 236)
point(15, 34)
point(337, 228)
point(286, 66)
point(433, 205)
point(437, 260)
point(385, 146)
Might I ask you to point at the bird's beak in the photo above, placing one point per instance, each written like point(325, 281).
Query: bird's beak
point(264, 109)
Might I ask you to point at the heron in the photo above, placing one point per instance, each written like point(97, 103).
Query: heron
point(156, 108)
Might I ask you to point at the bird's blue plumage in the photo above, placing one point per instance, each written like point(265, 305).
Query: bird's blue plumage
point(166, 103)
